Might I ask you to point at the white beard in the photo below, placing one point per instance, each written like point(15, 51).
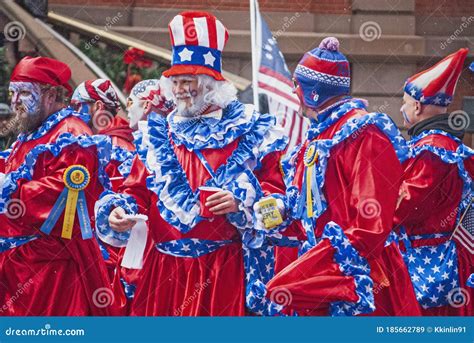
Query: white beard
point(198, 106)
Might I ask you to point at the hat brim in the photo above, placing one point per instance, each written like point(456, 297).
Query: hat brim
point(188, 69)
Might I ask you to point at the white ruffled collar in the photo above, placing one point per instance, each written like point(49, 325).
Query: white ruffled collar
point(213, 130)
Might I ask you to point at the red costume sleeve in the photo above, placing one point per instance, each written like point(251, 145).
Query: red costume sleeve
point(269, 174)
point(135, 185)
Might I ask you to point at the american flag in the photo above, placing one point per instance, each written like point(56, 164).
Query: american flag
point(464, 233)
point(274, 80)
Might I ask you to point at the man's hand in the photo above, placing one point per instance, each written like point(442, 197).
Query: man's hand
point(117, 221)
point(222, 202)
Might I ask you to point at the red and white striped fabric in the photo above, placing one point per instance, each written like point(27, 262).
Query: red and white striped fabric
point(198, 39)
point(274, 80)
point(96, 90)
point(437, 84)
point(198, 28)
point(464, 233)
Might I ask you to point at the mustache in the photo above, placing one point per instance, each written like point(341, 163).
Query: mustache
point(183, 96)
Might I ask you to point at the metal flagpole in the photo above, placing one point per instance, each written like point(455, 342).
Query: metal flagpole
point(253, 35)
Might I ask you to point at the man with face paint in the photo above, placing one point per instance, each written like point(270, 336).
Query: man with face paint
point(436, 191)
point(213, 140)
point(43, 247)
point(99, 99)
point(344, 183)
point(144, 99)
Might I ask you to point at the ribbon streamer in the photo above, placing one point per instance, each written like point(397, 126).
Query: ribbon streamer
point(72, 199)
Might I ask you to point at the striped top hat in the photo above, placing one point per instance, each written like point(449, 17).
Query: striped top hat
point(436, 85)
point(198, 39)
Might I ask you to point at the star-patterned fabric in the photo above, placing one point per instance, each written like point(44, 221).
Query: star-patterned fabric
point(433, 270)
point(7, 243)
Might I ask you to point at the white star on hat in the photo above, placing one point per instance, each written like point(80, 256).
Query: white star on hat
point(209, 59)
point(185, 55)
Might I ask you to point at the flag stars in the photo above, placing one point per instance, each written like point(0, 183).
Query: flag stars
point(209, 59)
point(435, 269)
point(185, 55)
point(388, 126)
point(437, 100)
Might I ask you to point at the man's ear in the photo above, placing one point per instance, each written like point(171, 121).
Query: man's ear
point(147, 107)
point(51, 95)
point(99, 105)
point(417, 108)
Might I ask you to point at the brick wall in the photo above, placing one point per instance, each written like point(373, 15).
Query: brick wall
point(448, 8)
point(438, 8)
point(320, 6)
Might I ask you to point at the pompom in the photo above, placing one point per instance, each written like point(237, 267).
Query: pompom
point(329, 43)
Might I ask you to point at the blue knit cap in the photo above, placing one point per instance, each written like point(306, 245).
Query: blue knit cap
point(323, 73)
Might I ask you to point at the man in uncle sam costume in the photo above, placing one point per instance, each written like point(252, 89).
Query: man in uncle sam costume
point(343, 185)
point(54, 174)
point(433, 218)
point(202, 236)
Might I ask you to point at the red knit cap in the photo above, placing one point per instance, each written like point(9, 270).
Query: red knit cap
point(43, 70)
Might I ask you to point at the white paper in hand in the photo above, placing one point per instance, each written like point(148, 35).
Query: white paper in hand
point(133, 257)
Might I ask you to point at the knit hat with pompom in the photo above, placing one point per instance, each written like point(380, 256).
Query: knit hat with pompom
point(322, 74)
